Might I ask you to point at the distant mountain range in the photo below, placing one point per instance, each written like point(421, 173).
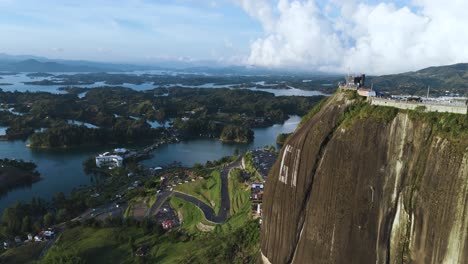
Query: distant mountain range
point(30, 63)
point(450, 79)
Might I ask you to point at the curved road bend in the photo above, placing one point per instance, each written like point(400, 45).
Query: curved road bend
point(222, 216)
point(162, 197)
point(209, 213)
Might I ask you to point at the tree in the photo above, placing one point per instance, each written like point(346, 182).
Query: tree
point(147, 226)
point(160, 116)
point(131, 243)
point(152, 184)
point(11, 221)
point(48, 219)
point(59, 200)
point(198, 170)
point(37, 226)
point(62, 215)
point(26, 224)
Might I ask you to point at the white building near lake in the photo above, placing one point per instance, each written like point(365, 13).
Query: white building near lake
point(107, 160)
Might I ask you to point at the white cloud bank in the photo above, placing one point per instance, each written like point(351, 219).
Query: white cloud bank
point(346, 34)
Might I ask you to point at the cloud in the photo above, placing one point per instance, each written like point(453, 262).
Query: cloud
point(131, 29)
point(347, 34)
point(58, 49)
point(261, 10)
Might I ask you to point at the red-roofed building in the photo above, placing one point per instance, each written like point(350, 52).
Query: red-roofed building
point(167, 224)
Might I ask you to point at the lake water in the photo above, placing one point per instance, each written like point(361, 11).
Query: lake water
point(82, 95)
point(18, 80)
point(3, 130)
point(61, 169)
point(202, 150)
point(11, 110)
point(156, 124)
point(289, 92)
point(80, 123)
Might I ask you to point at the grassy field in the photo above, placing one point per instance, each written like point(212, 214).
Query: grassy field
point(111, 245)
point(208, 190)
point(128, 211)
point(24, 254)
point(117, 244)
point(239, 195)
point(190, 213)
point(134, 202)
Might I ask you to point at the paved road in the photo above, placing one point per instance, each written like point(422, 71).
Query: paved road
point(107, 209)
point(225, 201)
point(162, 197)
point(59, 229)
point(209, 213)
point(222, 215)
point(207, 210)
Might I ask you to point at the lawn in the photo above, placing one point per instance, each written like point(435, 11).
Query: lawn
point(239, 195)
point(207, 190)
point(91, 245)
point(114, 244)
point(139, 201)
point(24, 254)
point(191, 214)
point(111, 245)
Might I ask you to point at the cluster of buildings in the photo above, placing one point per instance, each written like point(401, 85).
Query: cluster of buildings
point(357, 83)
point(44, 235)
point(256, 197)
point(168, 224)
point(448, 100)
point(167, 217)
point(114, 158)
point(172, 180)
point(450, 104)
point(263, 161)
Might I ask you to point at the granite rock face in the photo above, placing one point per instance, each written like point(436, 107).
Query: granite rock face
point(367, 191)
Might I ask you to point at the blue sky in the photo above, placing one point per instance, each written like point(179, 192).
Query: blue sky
point(330, 35)
point(126, 30)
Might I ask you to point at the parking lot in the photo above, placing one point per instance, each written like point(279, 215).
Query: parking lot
point(263, 161)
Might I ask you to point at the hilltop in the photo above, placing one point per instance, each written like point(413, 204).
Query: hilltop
point(33, 65)
point(451, 78)
point(358, 183)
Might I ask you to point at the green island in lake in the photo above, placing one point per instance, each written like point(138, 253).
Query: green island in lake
point(15, 173)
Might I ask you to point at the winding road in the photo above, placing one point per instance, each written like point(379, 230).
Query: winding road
point(209, 213)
